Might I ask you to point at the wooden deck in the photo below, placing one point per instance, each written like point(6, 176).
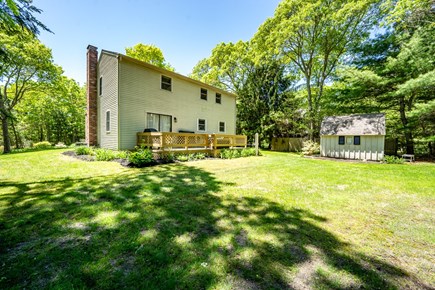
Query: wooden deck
point(161, 142)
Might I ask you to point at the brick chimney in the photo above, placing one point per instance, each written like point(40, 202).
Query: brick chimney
point(91, 92)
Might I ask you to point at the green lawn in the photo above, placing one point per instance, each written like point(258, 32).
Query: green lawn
point(276, 221)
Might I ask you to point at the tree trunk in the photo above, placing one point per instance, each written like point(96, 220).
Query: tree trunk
point(6, 137)
point(16, 136)
point(408, 134)
point(310, 108)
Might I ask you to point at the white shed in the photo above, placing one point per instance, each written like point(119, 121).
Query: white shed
point(353, 137)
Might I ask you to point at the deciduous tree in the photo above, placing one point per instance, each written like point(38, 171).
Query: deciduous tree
point(29, 66)
point(149, 53)
point(312, 37)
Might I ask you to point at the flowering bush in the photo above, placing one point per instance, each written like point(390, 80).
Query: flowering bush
point(310, 148)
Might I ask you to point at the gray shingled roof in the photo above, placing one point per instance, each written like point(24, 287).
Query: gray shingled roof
point(362, 124)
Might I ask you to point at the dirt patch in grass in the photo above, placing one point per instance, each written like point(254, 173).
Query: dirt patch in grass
point(79, 157)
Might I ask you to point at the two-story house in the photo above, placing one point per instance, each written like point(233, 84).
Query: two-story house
point(126, 96)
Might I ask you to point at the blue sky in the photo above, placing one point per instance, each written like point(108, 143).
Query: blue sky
point(185, 30)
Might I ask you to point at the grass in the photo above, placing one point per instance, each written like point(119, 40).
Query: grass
point(277, 221)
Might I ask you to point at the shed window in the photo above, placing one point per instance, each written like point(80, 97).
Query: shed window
point(356, 140)
point(203, 94)
point(218, 98)
point(101, 86)
point(107, 121)
point(166, 83)
point(222, 127)
point(341, 140)
point(201, 125)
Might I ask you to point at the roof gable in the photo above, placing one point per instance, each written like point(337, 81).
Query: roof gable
point(122, 57)
point(361, 124)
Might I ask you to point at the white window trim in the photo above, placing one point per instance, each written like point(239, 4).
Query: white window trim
point(197, 124)
point(219, 127)
point(110, 123)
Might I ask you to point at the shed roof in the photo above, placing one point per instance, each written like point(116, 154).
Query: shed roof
point(361, 124)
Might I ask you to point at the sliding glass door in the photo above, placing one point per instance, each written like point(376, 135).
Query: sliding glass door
point(162, 123)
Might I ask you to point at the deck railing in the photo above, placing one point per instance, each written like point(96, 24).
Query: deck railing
point(168, 141)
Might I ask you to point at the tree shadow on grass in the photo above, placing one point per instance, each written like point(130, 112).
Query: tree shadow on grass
point(169, 227)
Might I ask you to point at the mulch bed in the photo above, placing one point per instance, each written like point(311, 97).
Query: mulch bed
point(123, 162)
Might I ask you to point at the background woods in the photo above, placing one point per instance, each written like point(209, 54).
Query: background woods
point(311, 59)
point(319, 58)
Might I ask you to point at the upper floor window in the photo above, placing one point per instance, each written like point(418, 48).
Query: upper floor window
point(166, 83)
point(203, 94)
point(101, 86)
point(218, 98)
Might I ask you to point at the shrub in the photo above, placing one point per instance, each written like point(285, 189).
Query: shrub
point(102, 154)
point(310, 148)
point(182, 157)
point(393, 159)
point(168, 157)
point(121, 154)
point(230, 153)
point(248, 152)
point(83, 150)
point(199, 156)
point(142, 157)
point(42, 145)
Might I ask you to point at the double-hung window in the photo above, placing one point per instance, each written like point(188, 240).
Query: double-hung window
point(166, 83)
point(204, 94)
point(218, 98)
point(221, 127)
point(202, 125)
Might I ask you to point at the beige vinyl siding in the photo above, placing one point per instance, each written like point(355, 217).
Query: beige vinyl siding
point(140, 93)
point(108, 101)
point(371, 148)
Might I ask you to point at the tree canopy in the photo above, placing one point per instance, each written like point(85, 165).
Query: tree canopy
point(149, 53)
point(324, 57)
point(16, 14)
